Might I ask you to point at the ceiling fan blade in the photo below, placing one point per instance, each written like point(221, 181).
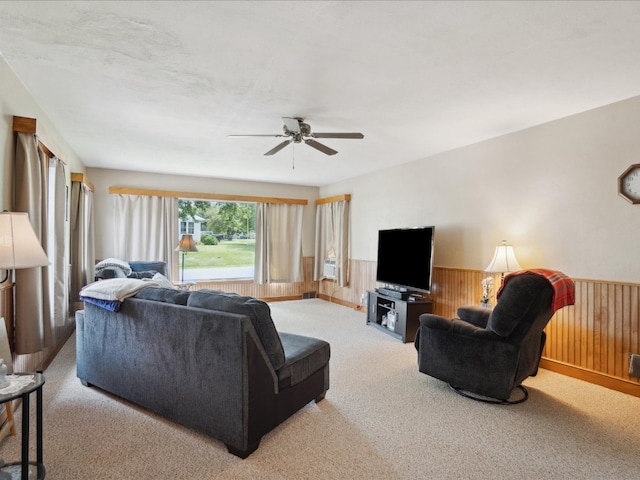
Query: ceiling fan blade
point(278, 147)
point(292, 124)
point(321, 147)
point(259, 135)
point(337, 135)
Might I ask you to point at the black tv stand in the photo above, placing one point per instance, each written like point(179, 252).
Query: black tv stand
point(407, 313)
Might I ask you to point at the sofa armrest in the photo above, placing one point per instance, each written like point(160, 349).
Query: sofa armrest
point(454, 326)
point(475, 315)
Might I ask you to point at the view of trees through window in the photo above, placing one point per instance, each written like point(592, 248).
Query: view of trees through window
point(225, 234)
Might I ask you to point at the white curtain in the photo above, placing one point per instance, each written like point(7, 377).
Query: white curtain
point(57, 248)
point(146, 228)
point(82, 240)
point(32, 330)
point(332, 239)
point(278, 243)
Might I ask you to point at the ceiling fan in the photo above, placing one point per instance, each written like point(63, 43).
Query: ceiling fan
point(298, 132)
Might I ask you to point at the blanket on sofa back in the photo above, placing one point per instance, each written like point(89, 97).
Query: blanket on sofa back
point(109, 294)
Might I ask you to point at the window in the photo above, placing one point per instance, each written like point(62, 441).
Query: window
point(186, 227)
point(224, 233)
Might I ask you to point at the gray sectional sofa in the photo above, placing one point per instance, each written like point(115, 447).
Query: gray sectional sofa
point(209, 360)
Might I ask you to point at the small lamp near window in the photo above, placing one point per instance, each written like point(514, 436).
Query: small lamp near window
point(19, 246)
point(186, 245)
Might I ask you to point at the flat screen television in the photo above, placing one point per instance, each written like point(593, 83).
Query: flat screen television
point(405, 258)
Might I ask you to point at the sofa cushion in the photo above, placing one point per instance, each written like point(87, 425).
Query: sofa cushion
point(165, 295)
point(303, 357)
point(257, 310)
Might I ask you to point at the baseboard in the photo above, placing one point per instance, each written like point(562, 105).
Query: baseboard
point(339, 301)
point(602, 379)
point(281, 299)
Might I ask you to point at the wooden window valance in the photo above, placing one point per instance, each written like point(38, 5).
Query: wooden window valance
point(28, 125)
point(82, 178)
point(336, 198)
point(204, 196)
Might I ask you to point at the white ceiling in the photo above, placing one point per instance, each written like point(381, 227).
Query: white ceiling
point(158, 86)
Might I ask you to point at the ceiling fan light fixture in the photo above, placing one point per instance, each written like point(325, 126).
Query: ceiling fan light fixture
point(299, 131)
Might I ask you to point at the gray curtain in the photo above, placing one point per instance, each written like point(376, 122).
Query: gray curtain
point(32, 330)
point(332, 239)
point(57, 248)
point(82, 241)
point(278, 243)
point(146, 228)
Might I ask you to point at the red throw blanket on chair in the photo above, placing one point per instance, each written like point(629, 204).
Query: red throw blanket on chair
point(564, 292)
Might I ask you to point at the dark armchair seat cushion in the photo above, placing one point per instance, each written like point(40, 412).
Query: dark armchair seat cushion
point(304, 356)
point(257, 310)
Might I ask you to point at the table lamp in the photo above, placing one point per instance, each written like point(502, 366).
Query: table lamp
point(19, 246)
point(504, 260)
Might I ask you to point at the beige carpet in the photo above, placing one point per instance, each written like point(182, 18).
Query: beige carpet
point(381, 419)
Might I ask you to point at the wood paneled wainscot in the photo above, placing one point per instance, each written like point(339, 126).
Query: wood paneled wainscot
point(591, 340)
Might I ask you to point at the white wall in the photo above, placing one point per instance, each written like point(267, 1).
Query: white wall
point(550, 191)
point(104, 202)
point(16, 100)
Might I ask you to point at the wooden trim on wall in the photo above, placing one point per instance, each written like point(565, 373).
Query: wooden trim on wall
point(590, 376)
point(82, 178)
point(204, 196)
point(335, 198)
point(29, 125)
point(590, 340)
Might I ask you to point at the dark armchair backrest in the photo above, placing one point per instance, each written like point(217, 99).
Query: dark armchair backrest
point(524, 305)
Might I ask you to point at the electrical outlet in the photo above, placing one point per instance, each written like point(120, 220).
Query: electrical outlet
point(363, 298)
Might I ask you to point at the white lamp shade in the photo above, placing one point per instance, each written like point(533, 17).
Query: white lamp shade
point(19, 246)
point(504, 260)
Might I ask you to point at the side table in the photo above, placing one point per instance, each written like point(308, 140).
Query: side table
point(184, 285)
point(20, 470)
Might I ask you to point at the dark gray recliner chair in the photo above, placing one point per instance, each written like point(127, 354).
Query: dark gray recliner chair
point(486, 354)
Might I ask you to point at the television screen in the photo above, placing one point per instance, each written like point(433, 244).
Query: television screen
point(405, 257)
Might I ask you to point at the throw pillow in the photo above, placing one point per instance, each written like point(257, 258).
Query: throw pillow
point(163, 281)
point(113, 263)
